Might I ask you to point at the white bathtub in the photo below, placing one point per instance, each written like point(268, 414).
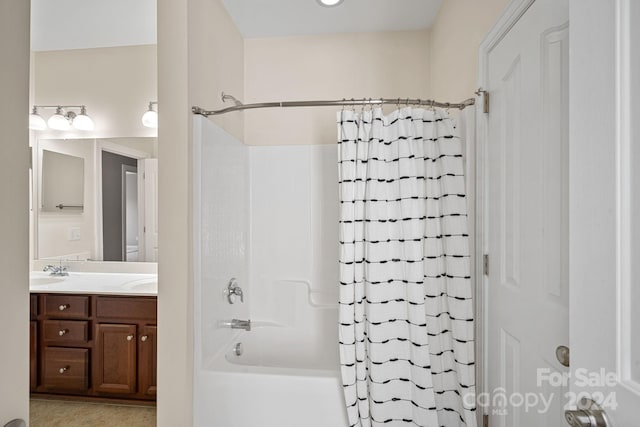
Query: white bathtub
point(272, 384)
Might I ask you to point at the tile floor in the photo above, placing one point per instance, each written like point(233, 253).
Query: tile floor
point(58, 413)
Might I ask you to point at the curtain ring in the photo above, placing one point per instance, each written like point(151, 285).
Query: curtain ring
point(353, 105)
point(407, 102)
point(343, 101)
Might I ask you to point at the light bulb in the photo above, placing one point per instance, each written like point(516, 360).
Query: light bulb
point(59, 121)
point(83, 122)
point(150, 119)
point(36, 122)
point(330, 3)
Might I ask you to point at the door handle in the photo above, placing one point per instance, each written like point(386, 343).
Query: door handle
point(562, 354)
point(588, 414)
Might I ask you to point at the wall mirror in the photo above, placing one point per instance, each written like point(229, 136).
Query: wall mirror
point(96, 199)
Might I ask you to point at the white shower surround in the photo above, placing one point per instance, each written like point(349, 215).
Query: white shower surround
point(277, 208)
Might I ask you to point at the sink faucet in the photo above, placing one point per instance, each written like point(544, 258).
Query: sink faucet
point(236, 324)
point(61, 270)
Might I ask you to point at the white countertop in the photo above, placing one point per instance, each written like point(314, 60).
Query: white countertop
point(94, 283)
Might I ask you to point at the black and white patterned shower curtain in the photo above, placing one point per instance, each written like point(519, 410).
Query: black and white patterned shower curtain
point(406, 317)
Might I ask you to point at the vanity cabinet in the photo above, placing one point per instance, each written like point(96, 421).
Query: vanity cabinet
point(100, 346)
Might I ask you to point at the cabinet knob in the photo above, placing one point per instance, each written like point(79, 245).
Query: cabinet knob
point(61, 332)
point(129, 337)
point(144, 338)
point(63, 307)
point(63, 369)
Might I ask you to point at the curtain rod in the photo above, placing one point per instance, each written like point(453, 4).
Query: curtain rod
point(342, 102)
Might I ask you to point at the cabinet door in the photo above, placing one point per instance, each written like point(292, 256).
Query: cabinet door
point(33, 354)
point(114, 367)
point(147, 370)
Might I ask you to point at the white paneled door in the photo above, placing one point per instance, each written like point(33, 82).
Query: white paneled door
point(148, 209)
point(527, 213)
point(605, 206)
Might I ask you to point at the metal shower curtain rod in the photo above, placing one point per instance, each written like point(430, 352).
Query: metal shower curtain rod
point(341, 102)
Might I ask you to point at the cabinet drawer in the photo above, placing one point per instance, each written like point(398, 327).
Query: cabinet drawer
point(66, 331)
point(125, 309)
point(66, 368)
point(66, 306)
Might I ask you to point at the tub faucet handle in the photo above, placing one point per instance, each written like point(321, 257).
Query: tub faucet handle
point(234, 290)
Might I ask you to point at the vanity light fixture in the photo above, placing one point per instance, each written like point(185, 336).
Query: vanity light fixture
point(330, 3)
point(82, 121)
point(63, 119)
point(36, 122)
point(150, 117)
point(59, 120)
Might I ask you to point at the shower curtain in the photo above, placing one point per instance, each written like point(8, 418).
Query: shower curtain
point(406, 319)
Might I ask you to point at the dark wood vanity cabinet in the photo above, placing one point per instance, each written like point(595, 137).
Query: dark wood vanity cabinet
point(94, 346)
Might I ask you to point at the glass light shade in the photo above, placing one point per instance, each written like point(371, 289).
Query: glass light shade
point(36, 122)
point(59, 122)
point(83, 122)
point(150, 119)
point(330, 2)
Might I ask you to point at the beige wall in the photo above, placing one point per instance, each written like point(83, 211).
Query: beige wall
point(455, 37)
point(14, 193)
point(390, 64)
point(175, 326)
point(216, 61)
point(200, 54)
point(116, 84)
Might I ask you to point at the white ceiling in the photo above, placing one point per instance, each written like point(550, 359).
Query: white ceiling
point(269, 18)
point(80, 24)
point(83, 24)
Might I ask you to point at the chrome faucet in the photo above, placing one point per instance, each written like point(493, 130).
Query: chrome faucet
point(61, 270)
point(236, 324)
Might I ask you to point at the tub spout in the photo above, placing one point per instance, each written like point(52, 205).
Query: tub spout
point(236, 324)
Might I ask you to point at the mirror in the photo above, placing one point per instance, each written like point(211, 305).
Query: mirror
point(108, 192)
point(62, 182)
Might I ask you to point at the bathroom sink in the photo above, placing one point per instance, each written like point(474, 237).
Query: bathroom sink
point(41, 281)
point(142, 285)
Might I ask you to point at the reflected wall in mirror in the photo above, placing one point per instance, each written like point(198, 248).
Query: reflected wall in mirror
point(119, 191)
point(62, 182)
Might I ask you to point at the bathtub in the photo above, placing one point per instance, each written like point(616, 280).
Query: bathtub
point(272, 384)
